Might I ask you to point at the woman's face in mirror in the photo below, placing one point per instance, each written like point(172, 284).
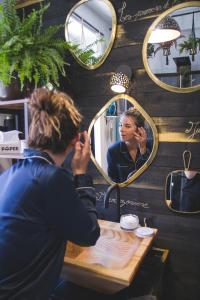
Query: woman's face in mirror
point(123, 140)
point(127, 129)
point(127, 155)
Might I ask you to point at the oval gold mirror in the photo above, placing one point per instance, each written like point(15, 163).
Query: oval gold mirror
point(90, 30)
point(124, 140)
point(171, 49)
point(182, 191)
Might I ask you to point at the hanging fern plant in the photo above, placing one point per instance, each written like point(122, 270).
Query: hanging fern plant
point(190, 45)
point(28, 52)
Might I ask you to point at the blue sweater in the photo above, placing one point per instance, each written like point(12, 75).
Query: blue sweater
point(41, 207)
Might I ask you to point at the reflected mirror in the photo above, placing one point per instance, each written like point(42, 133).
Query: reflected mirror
point(182, 191)
point(173, 60)
point(123, 139)
point(90, 30)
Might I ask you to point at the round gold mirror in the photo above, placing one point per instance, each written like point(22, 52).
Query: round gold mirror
point(171, 49)
point(124, 140)
point(90, 30)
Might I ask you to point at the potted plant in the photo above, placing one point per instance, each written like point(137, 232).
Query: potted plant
point(190, 45)
point(150, 50)
point(29, 53)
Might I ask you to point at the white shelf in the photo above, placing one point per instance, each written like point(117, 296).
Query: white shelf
point(12, 156)
point(18, 103)
point(13, 102)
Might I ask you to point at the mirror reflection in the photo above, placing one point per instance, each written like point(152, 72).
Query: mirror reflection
point(123, 139)
point(171, 50)
point(183, 191)
point(90, 29)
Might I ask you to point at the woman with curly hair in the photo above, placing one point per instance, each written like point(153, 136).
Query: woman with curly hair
point(41, 205)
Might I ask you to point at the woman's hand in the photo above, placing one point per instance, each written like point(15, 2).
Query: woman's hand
point(141, 138)
point(81, 155)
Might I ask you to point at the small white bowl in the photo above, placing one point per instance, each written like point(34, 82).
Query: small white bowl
point(129, 222)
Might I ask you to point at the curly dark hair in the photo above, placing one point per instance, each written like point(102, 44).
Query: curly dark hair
point(54, 118)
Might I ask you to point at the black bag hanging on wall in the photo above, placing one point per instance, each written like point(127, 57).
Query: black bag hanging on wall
point(184, 192)
point(183, 188)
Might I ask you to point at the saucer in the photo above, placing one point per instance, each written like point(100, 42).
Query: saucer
point(144, 232)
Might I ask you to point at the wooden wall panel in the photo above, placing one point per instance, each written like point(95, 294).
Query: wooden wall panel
point(172, 114)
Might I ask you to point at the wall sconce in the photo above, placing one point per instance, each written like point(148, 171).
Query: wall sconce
point(167, 30)
point(120, 80)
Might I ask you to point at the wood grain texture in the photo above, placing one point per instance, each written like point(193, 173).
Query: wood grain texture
point(113, 249)
point(111, 264)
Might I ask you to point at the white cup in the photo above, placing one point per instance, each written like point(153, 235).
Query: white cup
point(129, 222)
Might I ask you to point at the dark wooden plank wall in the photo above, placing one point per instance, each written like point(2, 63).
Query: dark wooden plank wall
point(171, 112)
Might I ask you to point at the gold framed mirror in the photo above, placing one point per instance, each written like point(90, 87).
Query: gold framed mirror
point(124, 140)
point(173, 62)
point(90, 30)
point(182, 191)
point(24, 3)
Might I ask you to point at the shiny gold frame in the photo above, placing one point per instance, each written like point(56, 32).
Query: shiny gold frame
point(168, 201)
point(112, 38)
point(155, 139)
point(23, 3)
point(144, 50)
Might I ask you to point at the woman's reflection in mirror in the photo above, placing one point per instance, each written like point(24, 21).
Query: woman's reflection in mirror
point(126, 156)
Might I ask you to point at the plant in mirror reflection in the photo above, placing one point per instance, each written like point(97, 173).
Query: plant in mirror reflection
point(191, 46)
point(166, 47)
point(86, 55)
point(150, 50)
point(192, 43)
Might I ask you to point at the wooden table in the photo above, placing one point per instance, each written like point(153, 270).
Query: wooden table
point(111, 264)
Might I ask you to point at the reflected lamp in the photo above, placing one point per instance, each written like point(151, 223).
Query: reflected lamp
point(167, 30)
point(120, 80)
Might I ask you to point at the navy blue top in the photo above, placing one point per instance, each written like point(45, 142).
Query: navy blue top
point(183, 192)
point(120, 164)
point(41, 208)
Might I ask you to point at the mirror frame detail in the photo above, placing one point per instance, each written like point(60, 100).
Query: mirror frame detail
point(154, 132)
point(112, 37)
point(145, 44)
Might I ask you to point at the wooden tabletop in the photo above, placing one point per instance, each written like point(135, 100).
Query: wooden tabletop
point(112, 263)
